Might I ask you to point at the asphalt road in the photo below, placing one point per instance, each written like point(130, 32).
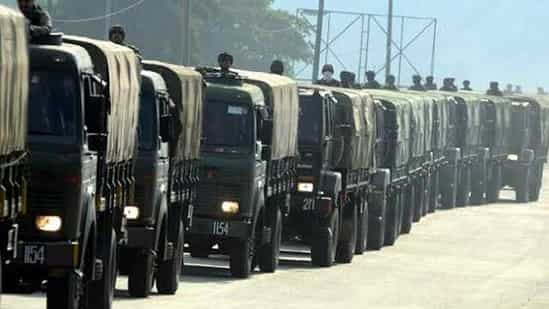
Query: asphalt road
point(479, 257)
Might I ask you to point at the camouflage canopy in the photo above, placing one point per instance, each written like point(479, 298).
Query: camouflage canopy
point(14, 81)
point(185, 86)
point(120, 68)
point(282, 98)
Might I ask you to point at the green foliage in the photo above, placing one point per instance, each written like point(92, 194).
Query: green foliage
point(251, 30)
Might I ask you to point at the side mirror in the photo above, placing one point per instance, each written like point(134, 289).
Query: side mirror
point(267, 132)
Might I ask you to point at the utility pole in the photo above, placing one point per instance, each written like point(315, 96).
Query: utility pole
point(388, 56)
point(108, 19)
point(186, 27)
point(318, 42)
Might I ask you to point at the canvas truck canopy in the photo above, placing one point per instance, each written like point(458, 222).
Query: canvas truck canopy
point(422, 129)
point(501, 109)
point(282, 99)
point(120, 68)
point(186, 89)
point(543, 101)
point(14, 81)
point(438, 121)
point(401, 109)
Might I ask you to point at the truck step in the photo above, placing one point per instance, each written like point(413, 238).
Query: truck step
point(98, 269)
point(170, 250)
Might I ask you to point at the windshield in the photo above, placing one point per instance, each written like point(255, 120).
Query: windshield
point(227, 125)
point(147, 121)
point(310, 122)
point(52, 101)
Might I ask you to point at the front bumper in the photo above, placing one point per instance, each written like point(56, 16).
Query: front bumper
point(221, 229)
point(62, 254)
point(141, 237)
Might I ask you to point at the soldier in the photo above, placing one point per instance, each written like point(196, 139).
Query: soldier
point(348, 79)
point(429, 83)
point(494, 89)
point(117, 35)
point(371, 81)
point(541, 91)
point(328, 76)
point(467, 86)
point(508, 90)
point(277, 67)
point(417, 86)
point(518, 89)
point(225, 62)
point(448, 85)
point(390, 83)
point(39, 20)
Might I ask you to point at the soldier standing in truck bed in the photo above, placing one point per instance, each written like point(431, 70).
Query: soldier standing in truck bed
point(417, 86)
point(467, 86)
point(494, 89)
point(430, 84)
point(38, 18)
point(371, 82)
point(390, 83)
point(328, 77)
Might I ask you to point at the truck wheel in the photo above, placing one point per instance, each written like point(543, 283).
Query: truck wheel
point(464, 188)
point(269, 254)
point(347, 240)
point(478, 187)
point(376, 228)
point(523, 188)
point(242, 258)
point(63, 293)
point(393, 219)
point(140, 278)
point(434, 192)
point(537, 178)
point(408, 209)
point(418, 202)
point(494, 185)
point(101, 292)
point(167, 278)
point(324, 243)
point(362, 233)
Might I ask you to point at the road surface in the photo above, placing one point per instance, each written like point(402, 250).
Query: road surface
point(479, 257)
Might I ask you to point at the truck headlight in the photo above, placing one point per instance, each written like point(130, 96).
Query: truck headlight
point(131, 212)
point(49, 223)
point(307, 187)
point(512, 157)
point(230, 207)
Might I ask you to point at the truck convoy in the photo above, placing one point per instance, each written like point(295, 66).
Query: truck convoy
point(112, 165)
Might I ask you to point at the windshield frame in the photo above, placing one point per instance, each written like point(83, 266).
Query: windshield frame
point(78, 110)
point(245, 148)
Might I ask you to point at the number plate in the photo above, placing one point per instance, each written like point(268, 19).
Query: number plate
point(220, 228)
point(308, 204)
point(34, 254)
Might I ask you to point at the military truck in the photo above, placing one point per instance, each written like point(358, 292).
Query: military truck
point(84, 97)
point(393, 141)
point(528, 144)
point(330, 211)
point(170, 120)
point(14, 72)
point(248, 168)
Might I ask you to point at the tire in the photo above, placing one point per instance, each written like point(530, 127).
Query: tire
point(362, 232)
point(418, 202)
point(479, 181)
point(434, 192)
point(101, 292)
point(377, 229)
point(408, 211)
point(535, 188)
point(348, 236)
point(62, 292)
point(269, 254)
point(242, 258)
point(494, 185)
point(167, 277)
point(140, 278)
point(448, 183)
point(523, 188)
point(324, 242)
point(393, 220)
point(464, 188)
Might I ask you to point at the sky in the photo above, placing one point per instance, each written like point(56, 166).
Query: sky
point(480, 40)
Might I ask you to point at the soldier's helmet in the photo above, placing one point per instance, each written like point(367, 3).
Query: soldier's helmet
point(494, 85)
point(466, 82)
point(371, 75)
point(416, 78)
point(430, 79)
point(224, 57)
point(328, 68)
point(118, 29)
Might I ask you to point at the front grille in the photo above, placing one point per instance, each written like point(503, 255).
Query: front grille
point(210, 196)
point(45, 199)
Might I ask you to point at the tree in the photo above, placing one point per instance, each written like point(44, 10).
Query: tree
point(251, 30)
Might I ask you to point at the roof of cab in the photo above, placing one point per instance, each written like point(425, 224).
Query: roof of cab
point(155, 79)
point(77, 54)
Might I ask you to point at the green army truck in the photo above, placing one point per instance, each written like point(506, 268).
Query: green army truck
point(393, 141)
point(248, 168)
point(84, 97)
point(528, 144)
point(170, 122)
point(330, 211)
point(14, 81)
